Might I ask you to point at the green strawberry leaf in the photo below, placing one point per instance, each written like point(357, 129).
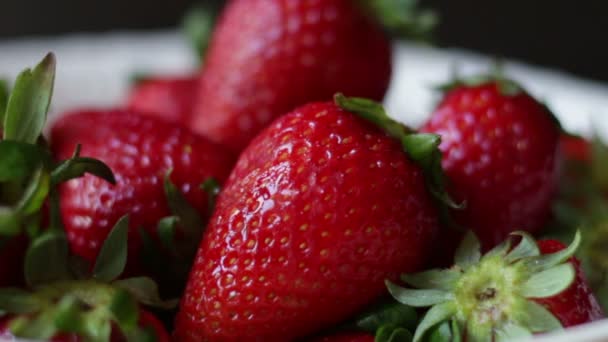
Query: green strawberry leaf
point(403, 18)
point(68, 316)
point(125, 310)
point(468, 252)
point(18, 301)
point(432, 279)
point(77, 166)
point(545, 261)
point(527, 247)
point(3, 100)
point(387, 313)
point(437, 314)
point(145, 291)
point(391, 333)
point(29, 102)
point(10, 221)
point(46, 259)
point(112, 257)
point(18, 160)
point(416, 297)
point(167, 227)
point(549, 282)
point(35, 193)
point(198, 25)
point(537, 319)
point(441, 333)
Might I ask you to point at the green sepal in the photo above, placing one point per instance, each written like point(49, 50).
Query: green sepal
point(537, 319)
point(549, 282)
point(17, 159)
point(432, 279)
point(387, 313)
point(68, 316)
point(526, 248)
point(468, 252)
point(145, 291)
point(545, 261)
point(77, 166)
point(391, 333)
point(112, 257)
point(35, 193)
point(440, 333)
point(422, 148)
point(512, 332)
point(212, 187)
point(167, 228)
point(198, 25)
point(599, 166)
point(125, 310)
point(403, 18)
point(478, 332)
point(436, 315)
point(417, 298)
point(29, 102)
point(10, 221)
point(46, 259)
point(17, 301)
point(40, 327)
point(4, 89)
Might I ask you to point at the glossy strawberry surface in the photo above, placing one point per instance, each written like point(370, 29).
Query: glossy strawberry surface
point(140, 150)
point(576, 305)
point(170, 98)
point(269, 56)
point(320, 209)
point(501, 156)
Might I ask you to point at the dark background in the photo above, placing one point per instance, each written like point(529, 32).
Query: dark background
point(570, 35)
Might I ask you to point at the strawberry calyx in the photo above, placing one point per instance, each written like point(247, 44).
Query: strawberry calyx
point(68, 296)
point(198, 25)
point(491, 296)
point(403, 18)
point(422, 148)
point(3, 100)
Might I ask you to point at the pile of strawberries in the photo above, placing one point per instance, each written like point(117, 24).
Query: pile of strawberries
point(271, 198)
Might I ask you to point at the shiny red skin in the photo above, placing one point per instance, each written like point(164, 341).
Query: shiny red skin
point(140, 150)
point(347, 337)
point(146, 320)
point(320, 209)
point(267, 57)
point(501, 155)
point(170, 98)
point(577, 304)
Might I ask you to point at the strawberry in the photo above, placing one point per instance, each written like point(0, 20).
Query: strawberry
point(320, 208)
point(500, 154)
point(170, 98)
point(511, 292)
point(141, 150)
point(268, 57)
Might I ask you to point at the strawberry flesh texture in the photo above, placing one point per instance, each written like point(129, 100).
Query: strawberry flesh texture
point(577, 304)
point(139, 150)
point(319, 210)
point(146, 320)
point(268, 57)
point(501, 155)
point(171, 99)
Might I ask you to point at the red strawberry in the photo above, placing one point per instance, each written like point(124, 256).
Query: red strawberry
point(170, 98)
point(501, 156)
point(268, 57)
point(575, 148)
point(320, 208)
point(140, 150)
point(146, 321)
point(497, 296)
